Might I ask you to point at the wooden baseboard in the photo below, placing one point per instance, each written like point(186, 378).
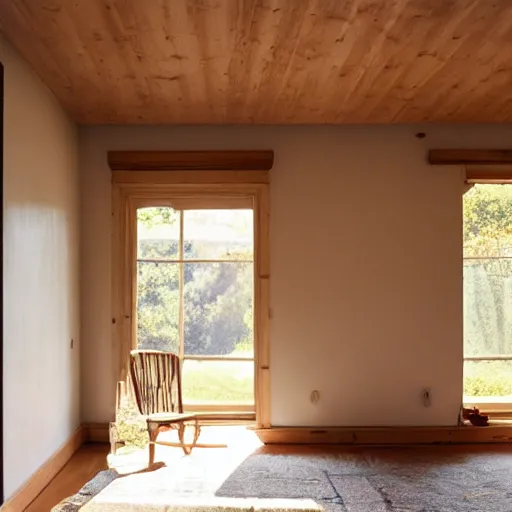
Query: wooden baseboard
point(96, 432)
point(386, 435)
point(45, 474)
point(100, 432)
point(87, 432)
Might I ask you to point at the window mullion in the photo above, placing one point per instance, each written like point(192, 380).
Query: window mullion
point(181, 285)
point(506, 357)
point(180, 260)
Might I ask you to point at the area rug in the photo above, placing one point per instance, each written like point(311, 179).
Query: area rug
point(422, 479)
point(87, 492)
point(382, 480)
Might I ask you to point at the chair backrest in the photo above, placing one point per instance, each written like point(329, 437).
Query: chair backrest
point(156, 379)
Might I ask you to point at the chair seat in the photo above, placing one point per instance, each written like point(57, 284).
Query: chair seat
point(170, 417)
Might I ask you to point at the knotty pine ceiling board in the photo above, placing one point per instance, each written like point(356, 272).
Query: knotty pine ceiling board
point(269, 61)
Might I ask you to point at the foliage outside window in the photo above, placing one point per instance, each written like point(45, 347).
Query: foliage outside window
point(195, 297)
point(488, 292)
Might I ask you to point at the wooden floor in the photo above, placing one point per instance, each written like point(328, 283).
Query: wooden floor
point(84, 464)
point(338, 478)
point(90, 459)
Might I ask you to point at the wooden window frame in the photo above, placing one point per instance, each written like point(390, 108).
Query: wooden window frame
point(479, 166)
point(130, 188)
point(487, 174)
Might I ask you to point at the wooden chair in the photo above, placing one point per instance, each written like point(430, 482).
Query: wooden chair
point(156, 380)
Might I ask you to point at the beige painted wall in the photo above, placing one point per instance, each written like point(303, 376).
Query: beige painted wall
point(41, 312)
point(366, 268)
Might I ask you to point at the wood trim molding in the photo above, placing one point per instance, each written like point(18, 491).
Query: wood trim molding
point(499, 433)
point(45, 474)
point(190, 160)
point(469, 156)
point(215, 409)
point(189, 177)
point(262, 311)
point(96, 432)
point(496, 173)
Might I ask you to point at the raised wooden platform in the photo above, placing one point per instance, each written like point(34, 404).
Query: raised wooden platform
point(497, 432)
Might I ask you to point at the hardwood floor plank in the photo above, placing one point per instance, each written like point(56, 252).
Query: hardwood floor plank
point(84, 464)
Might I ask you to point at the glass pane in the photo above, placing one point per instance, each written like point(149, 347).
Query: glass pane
point(488, 270)
point(488, 379)
point(158, 302)
point(487, 306)
point(218, 234)
point(218, 309)
point(158, 232)
point(488, 221)
point(225, 382)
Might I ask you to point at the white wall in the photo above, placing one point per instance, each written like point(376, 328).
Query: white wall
point(41, 309)
point(366, 267)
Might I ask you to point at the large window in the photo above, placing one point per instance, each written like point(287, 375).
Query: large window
point(190, 268)
point(488, 295)
point(191, 273)
point(195, 288)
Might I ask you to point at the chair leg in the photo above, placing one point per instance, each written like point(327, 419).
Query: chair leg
point(181, 437)
point(187, 448)
point(197, 432)
point(153, 434)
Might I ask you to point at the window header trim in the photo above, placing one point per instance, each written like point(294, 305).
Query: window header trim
point(259, 160)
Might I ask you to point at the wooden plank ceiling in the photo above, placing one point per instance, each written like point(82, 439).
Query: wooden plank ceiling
point(270, 61)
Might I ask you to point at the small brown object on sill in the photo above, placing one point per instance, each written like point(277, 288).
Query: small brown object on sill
point(475, 418)
point(479, 420)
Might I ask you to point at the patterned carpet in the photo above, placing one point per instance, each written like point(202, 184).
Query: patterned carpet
point(412, 479)
point(438, 479)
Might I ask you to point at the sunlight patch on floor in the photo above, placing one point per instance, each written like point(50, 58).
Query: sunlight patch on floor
point(187, 482)
point(162, 504)
point(240, 441)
